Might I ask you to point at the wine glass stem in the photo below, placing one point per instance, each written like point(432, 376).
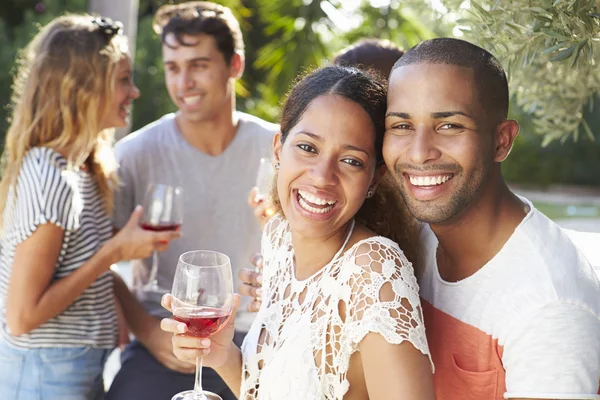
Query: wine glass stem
point(198, 392)
point(154, 270)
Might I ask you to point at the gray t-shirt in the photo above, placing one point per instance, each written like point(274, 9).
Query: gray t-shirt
point(216, 215)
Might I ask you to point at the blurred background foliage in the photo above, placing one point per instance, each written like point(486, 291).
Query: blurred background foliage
point(549, 48)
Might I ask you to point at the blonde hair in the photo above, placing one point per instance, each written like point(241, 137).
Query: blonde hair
point(65, 78)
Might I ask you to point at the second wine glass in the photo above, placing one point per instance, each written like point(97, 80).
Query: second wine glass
point(163, 211)
point(264, 183)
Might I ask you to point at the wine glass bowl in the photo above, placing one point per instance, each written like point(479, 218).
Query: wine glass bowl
point(163, 211)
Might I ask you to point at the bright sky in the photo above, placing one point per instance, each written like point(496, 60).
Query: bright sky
point(347, 19)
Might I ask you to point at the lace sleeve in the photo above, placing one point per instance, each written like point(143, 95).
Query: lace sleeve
point(383, 295)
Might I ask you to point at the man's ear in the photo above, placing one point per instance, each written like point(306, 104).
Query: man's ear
point(504, 138)
point(236, 65)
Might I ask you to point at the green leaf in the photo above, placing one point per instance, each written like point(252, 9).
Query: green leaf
point(588, 130)
point(554, 48)
point(553, 33)
point(579, 49)
point(539, 10)
point(517, 28)
point(483, 11)
point(564, 54)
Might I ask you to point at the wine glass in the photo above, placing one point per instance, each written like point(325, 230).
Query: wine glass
point(163, 211)
point(203, 300)
point(264, 182)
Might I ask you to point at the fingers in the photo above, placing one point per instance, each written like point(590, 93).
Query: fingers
point(172, 326)
point(189, 355)
point(260, 209)
point(253, 199)
point(254, 306)
point(161, 240)
point(257, 261)
point(249, 290)
point(250, 277)
point(136, 216)
point(166, 301)
point(166, 236)
point(188, 348)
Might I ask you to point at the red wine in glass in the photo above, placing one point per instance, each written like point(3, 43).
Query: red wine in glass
point(203, 300)
point(163, 211)
point(203, 322)
point(161, 227)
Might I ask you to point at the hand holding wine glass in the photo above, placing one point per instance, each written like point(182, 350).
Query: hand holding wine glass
point(133, 242)
point(163, 211)
point(259, 197)
point(202, 299)
point(214, 351)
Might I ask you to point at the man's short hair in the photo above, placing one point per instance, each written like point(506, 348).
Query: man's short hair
point(200, 17)
point(490, 78)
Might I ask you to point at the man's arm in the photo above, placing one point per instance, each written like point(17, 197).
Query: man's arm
point(147, 330)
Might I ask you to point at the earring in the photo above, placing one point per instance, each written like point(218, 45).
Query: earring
point(277, 166)
point(369, 194)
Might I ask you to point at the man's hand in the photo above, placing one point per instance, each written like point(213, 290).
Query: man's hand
point(252, 283)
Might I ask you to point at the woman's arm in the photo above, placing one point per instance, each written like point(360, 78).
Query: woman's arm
point(33, 298)
point(384, 317)
point(395, 371)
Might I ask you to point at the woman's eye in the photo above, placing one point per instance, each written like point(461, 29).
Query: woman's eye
point(306, 147)
point(353, 162)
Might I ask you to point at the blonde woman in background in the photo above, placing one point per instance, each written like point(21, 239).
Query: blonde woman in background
point(58, 319)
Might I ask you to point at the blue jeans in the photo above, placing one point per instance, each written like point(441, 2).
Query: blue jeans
point(71, 373)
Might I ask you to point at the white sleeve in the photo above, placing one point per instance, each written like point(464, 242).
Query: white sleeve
point(554, 355)
point(382, 297)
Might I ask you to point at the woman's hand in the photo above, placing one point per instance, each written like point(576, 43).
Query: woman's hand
point(215, 351)
point(251, 282)
point(263, 211)
point(133, 242)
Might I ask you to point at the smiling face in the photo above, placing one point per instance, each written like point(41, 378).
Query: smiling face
point(125, 91)
point(438, 142)
point(198, 78)
point(327, 164)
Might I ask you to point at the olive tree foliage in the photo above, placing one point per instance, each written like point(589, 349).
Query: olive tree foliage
point(551, 50)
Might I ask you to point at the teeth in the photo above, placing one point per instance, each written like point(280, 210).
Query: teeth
point(305, 205)
point(314, 199)
point(191, 99)
point(429, 180)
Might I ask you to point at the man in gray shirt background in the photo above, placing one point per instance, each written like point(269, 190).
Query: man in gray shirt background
point(210, 150)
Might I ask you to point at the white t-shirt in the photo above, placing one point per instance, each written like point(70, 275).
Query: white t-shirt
point(216, 214)
point(526, 325)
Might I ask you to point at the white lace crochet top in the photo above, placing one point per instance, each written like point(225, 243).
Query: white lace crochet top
point(300, 343)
